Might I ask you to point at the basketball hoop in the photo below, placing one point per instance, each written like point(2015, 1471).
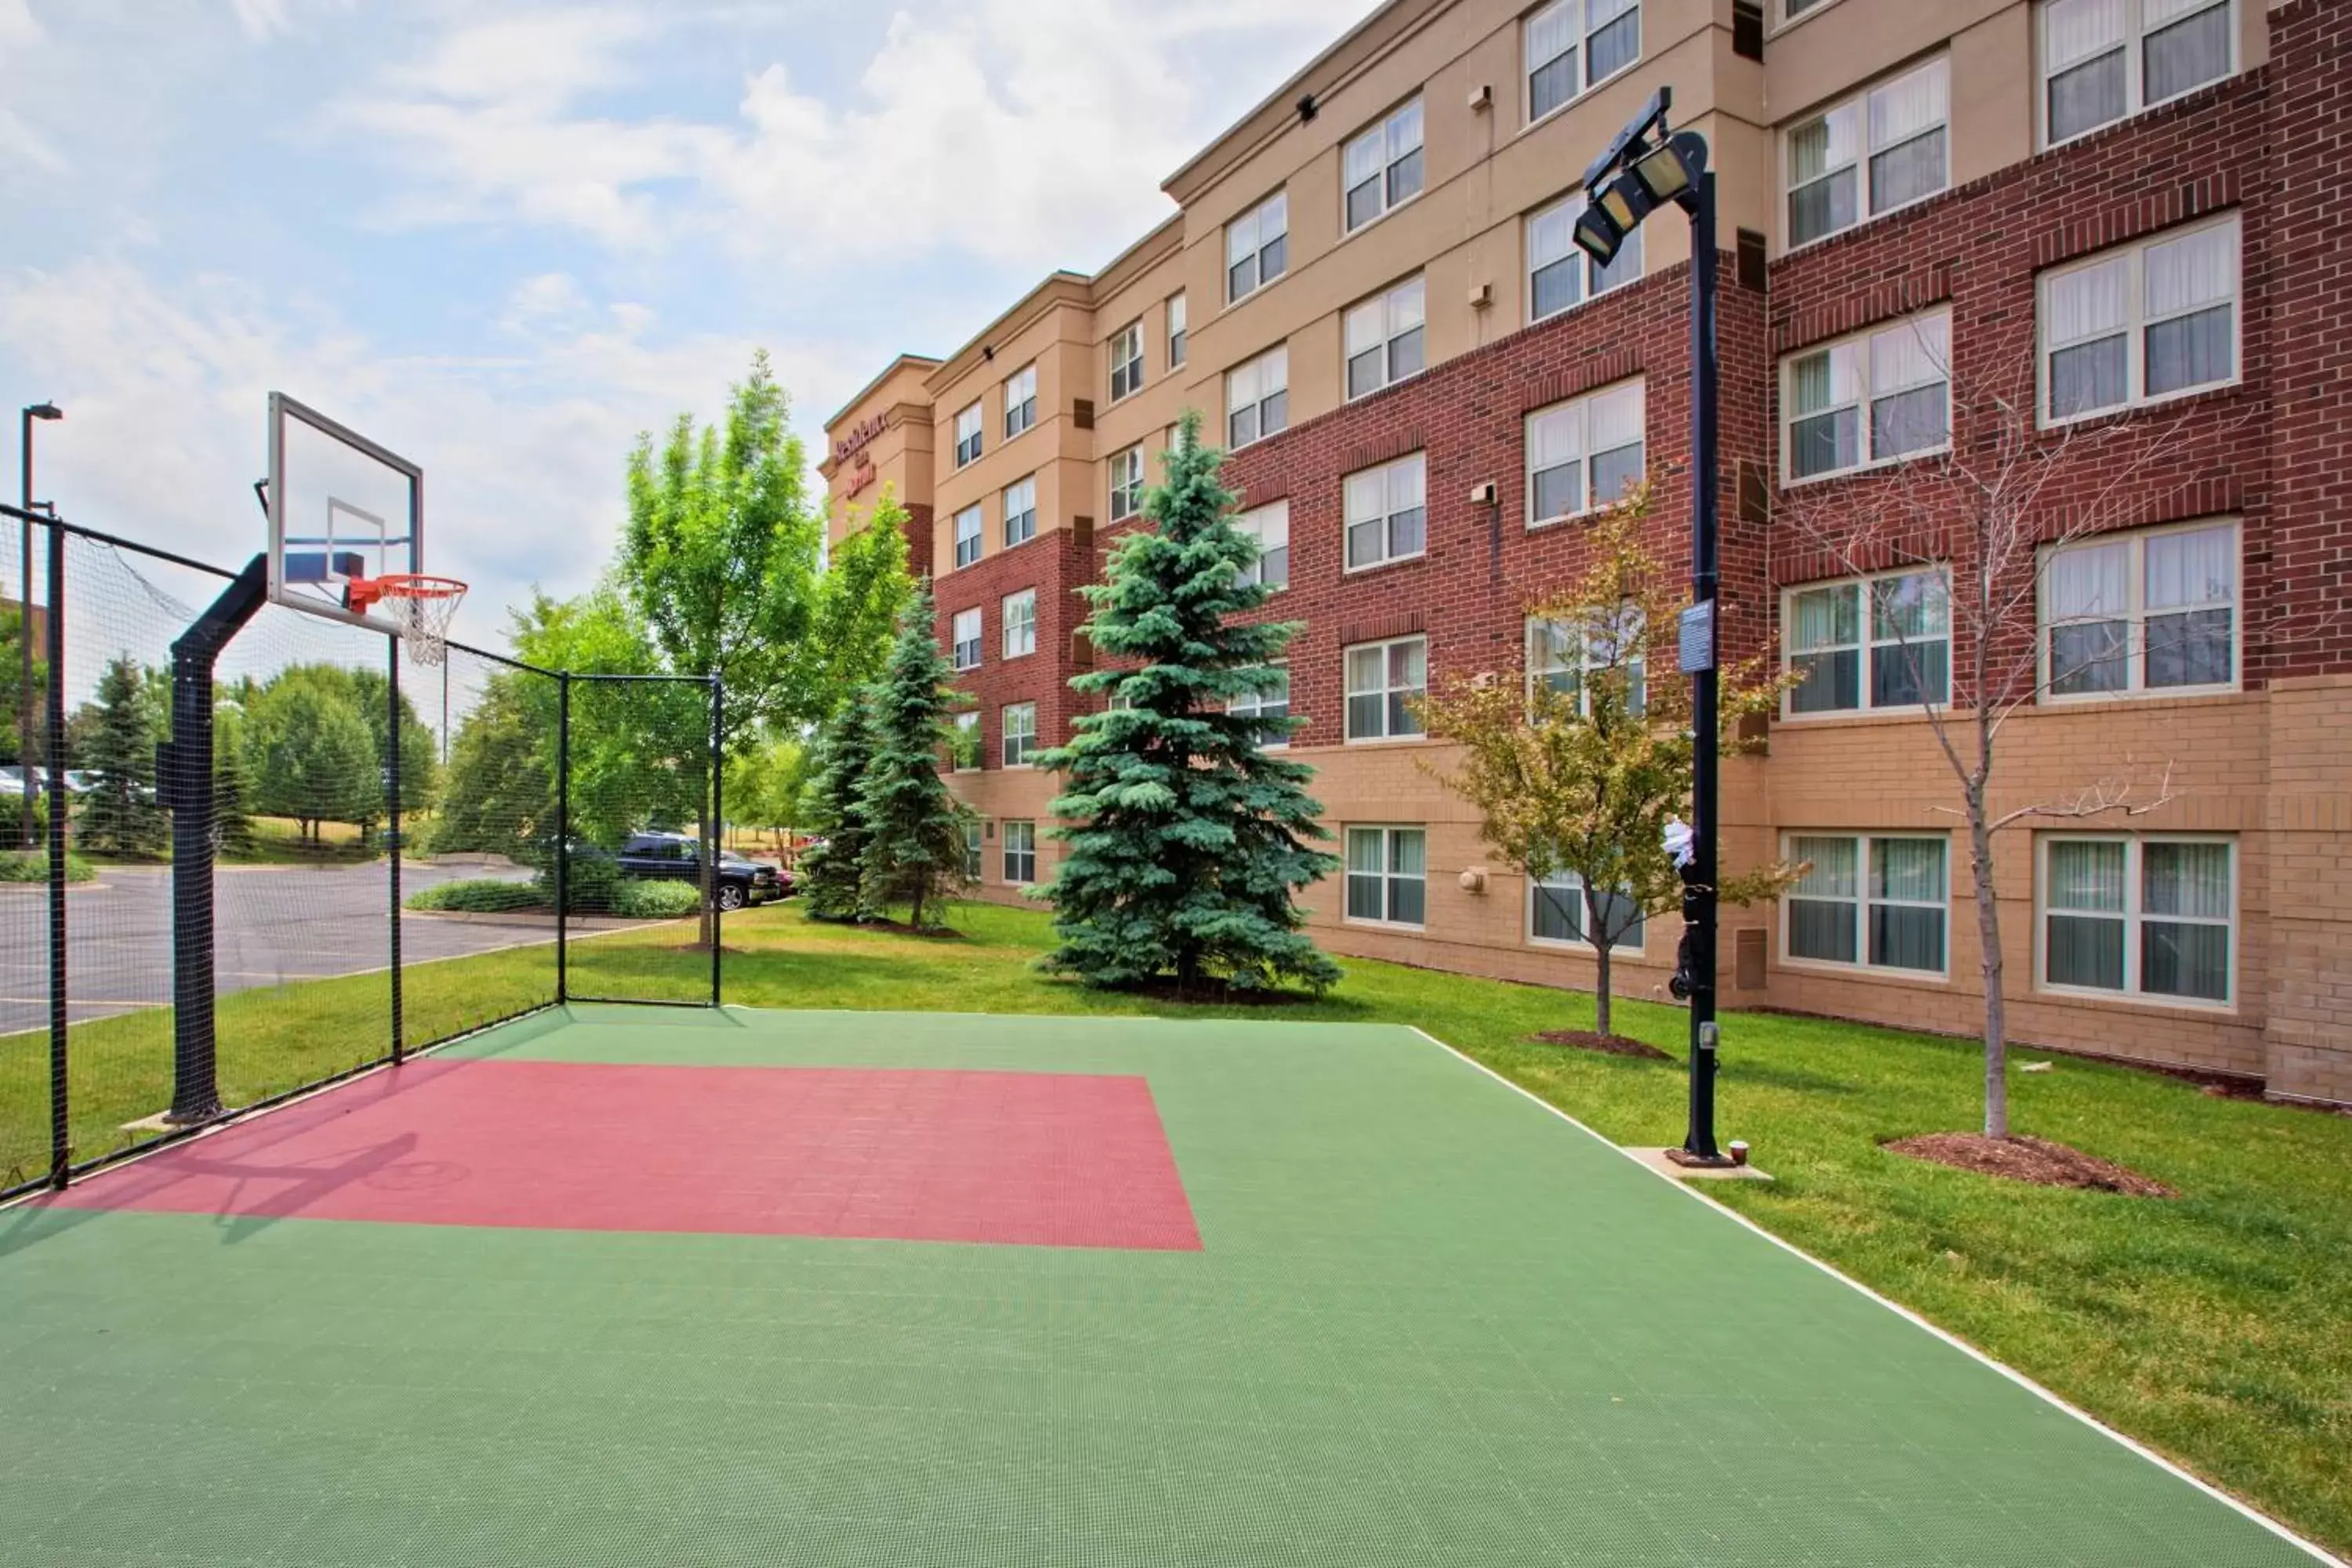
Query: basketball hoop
point(422, 604)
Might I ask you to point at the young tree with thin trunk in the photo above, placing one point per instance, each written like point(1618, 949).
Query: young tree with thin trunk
point(832, 873)
point(913, 827)
point(1577, 765)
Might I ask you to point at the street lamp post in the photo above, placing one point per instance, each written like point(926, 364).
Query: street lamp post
point(1647, 166)
point(30, 836)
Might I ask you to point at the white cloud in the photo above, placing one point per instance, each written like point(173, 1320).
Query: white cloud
point(264, 19)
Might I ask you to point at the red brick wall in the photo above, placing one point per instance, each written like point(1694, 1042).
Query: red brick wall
point(1055, 564)
point(919, 541)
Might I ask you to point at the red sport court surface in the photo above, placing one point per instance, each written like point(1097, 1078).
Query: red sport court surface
point(1043, 1159)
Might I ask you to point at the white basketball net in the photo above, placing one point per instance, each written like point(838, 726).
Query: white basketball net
point(422, 607)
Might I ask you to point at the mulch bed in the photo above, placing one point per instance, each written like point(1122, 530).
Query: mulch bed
point(1609, 1044)
point(2035, 1160)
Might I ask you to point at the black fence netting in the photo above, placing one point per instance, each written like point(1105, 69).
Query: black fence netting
point(287, 849)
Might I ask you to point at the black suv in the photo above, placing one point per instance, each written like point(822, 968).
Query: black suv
point(677, 857)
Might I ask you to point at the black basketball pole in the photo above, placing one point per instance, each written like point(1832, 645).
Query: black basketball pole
point(718, 827)
point(392, 839)
point(1700, 910)
point(563, 834)
point(61, 808)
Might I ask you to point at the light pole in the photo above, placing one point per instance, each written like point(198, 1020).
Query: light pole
point(24, 628)
point(1647, 166)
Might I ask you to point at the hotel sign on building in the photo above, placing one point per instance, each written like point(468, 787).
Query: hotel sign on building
point(850, 448)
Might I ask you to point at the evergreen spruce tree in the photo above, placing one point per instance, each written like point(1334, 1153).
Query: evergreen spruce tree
point(1187, 841)
point(232, 788)
point(913, 827)
point(832, 873)
point(119, 816)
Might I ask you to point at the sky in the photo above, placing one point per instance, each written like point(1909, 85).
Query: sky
point(503, 239)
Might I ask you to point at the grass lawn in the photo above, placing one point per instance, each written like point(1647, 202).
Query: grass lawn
point(2216, 1327)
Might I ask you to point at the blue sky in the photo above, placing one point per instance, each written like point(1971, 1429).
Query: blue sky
point(505, 238)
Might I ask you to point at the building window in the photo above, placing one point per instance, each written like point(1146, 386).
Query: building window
point(1556, 913)
point(1876, 397)
point(1388, 513)
point(1021, 512)
point(1792, 10)
point(1383, 165)
point(1385, 681)
point(1559, 273)
point(1020, 404)
point(1573, 45)
point(2142, 323)
point(1257, 397)
point(1882, 149)
point(967, 446)
point(1270, 705)
point(1125, 483)
point(1873, 903)
point(1021, 622)
point(2138, 916)
point(1257, 247)
point(2104, 59)
point(1562, 657)
point(966, 638)
point(1270, 526)
point(1175, 330)
point(963, 745)
point(1908, 644)
point(1021, 853)
point(1584, 454)
point(2142, 612)
point(1125, 360)
point(1384, 339)
point(972, 851)
point(1020, 733)
point(1388, 874)
point(967, 536)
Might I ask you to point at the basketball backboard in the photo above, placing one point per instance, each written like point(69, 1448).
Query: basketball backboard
point(342, 510)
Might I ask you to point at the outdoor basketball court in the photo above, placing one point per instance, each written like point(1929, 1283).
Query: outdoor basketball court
point(631, 1286)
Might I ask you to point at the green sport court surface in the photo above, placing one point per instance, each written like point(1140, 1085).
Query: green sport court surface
point(1225, 1294)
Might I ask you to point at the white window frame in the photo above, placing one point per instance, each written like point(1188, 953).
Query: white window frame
point(2134, 614)
point(1865, 852)
point(1403, 487)
point(1262, 230)
point(1581, 28)
point(1256, 705)
point(1258, 377)
point(1025, 733)
point(1026, 873)
point(1634, 942)
point(1397, 322)
point(1577, 415)
point(1270, 526)
point(1865, 210)
point(2133, 48)
point(1127, 483)
point(1543, 634)
point(972, 529)
point(1594, 279)
point(1923, 329)
point(1020, 506)
point(971, 429)
point(2135, 916)
point(1386, 692)
point(1867, 641)
point(1021, 401)
point(1397, 139)
point(1019, 616)
point(1387, 875)
point(1789, 11)
point(2137, 320)
point(967, 722)
point(957, 641)
point(1179, 339)
point(1126, 361)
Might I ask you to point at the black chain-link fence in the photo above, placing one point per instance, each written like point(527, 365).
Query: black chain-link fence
point(249, 850)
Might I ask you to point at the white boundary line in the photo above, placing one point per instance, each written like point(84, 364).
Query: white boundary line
point(2015, 1376)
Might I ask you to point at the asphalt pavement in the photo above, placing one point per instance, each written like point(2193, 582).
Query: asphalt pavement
point(272, 924)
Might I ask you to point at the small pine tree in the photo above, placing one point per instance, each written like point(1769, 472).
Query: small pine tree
point(232, 788)
point(119, 816)
point(832, 873)
point(1187, 841)
point(913, 827)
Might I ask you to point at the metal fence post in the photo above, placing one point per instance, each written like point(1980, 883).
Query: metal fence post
point(391, 842)
point(61, 808)
point(718, 827)
point(563, 834)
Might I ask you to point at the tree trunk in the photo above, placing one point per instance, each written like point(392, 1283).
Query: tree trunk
point(1996, 1012)
point(914, 916)
point(1599, 935)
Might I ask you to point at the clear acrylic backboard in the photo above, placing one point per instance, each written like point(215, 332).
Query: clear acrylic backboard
point(342, 510)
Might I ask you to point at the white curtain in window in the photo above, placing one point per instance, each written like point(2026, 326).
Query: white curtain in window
point(1832, 875)
point(2189, 879)
point(1364, 328)
point(1909, 105)
point(1604, 11)
point(2086, 876)
point(1406, 306)
point(1907, 868)
point(2089, 303)
point(2090, 582)
point(1367, 496)
point(1827, 618)
point(1241, 387)
point(1912, 353)
point(2198, 568)
point(2196, 270)
point(1616, 419)
point(1241, 240)
point(1826, 381)
point(1551, 233)
point(1830, 142)
point(1406, 854)
point(1549, 32)
point(1555, 436)
point(1363, 159)
point(2156, 14)
point(1274, 372)
point(1404, 130)
point(1408, 485)
point(2079, 29)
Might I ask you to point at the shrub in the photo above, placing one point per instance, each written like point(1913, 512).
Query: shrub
point(656, 900)
point(33, 865)
point(479, 897)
